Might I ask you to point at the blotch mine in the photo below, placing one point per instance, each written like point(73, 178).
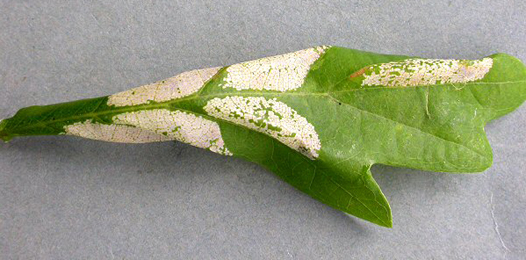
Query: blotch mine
point(271, 117)
point(182, 85)
point(155, 126)
point(282, 73)
point(423, 72)
point(114, 133)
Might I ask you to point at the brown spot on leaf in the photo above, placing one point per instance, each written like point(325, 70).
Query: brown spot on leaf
point(359, 72)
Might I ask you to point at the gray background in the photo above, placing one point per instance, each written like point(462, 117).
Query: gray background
point(71, 198)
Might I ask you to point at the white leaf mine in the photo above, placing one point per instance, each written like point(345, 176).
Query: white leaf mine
point(282, 73)
point(113, 133)
point(422, 72)
point(182, 85)
point(155, 125)
point(271, 117)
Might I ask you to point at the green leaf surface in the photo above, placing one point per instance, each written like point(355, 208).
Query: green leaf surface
point(318, 118)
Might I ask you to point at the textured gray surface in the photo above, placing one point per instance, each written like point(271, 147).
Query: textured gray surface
point(70, 198)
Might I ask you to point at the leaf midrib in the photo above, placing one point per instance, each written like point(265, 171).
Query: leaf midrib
point(167, 104)
point(329, 94)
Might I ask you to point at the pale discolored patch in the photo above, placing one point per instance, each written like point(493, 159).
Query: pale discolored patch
point(155, 126)
point(114, 133)
point(277, 73)
point(182, 85)
point(422, 72)
point(271, 117)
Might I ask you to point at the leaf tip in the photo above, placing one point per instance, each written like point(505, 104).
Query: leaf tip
point(387, 219)
point(389, 222)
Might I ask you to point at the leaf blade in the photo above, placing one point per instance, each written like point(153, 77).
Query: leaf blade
point(278, 117)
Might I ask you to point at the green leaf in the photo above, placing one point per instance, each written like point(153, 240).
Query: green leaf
point(318, 118)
